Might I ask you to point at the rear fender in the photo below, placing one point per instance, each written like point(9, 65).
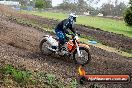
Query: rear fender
point(45, 36)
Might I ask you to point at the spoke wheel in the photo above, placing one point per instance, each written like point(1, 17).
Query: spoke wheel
point(44, 47)
point(84, 58)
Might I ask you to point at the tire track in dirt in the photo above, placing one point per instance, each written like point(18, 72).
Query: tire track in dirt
point(118, 41)
point(19, 46)
point(19, 36)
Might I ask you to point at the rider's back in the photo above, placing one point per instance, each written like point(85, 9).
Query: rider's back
point(62, 24)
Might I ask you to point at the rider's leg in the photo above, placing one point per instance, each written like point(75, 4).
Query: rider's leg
point(61, 37)
point(60, 44)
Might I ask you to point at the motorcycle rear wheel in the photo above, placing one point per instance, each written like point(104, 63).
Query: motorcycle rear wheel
point(44, 44)
point(85, 56)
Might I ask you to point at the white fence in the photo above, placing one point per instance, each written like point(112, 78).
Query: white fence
point(11, 3)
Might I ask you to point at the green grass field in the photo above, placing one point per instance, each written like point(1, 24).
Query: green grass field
point(110, 25)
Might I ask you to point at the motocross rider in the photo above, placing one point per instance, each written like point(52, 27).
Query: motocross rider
point(62, 29)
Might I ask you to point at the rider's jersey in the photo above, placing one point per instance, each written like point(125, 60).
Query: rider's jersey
point(64, 25)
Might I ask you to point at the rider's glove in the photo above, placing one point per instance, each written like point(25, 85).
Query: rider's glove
point(78, 34)
point(66, 39)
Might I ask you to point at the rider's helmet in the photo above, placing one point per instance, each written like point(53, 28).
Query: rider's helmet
point(73, 17)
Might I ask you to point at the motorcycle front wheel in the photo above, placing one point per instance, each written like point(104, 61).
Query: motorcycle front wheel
point(85, 56)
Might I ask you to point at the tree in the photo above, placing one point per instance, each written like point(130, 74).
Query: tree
point(116, 9)
point(119, 9)
point(91, 1)
point(82, 6)
point(130, 2)
point(67, 6)
point(107, 9)
point(40, 4)
point(48, 3)
point(24, 2)
point(128, 14)
point(76, 6)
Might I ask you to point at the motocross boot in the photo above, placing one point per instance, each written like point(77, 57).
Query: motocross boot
point(59, 49)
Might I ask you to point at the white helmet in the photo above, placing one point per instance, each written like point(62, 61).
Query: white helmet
point(73, 15)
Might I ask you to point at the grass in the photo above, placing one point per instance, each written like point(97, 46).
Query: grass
point(14, 77)
point(21, 77)
point(110, 25)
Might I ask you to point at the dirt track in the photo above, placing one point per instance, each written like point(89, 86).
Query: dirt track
point(110, 39)
point(19, 46)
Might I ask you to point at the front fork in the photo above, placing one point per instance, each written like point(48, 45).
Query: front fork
point(78, 51)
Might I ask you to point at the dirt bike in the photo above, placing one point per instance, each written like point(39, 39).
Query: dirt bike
point(72, 49)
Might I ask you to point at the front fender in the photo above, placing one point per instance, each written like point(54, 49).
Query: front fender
point(84, 45)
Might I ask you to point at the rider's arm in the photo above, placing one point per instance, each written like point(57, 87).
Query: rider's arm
point(72, 28)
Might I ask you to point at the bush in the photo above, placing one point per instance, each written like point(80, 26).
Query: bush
point(40, 4)
point(128, 16)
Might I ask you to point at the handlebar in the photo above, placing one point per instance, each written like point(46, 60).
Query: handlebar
point(74, 36)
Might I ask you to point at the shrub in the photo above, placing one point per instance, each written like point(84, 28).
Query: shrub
point(128, 16)
point(40, 4)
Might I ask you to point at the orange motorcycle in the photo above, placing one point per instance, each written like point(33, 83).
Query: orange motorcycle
point(72, 49)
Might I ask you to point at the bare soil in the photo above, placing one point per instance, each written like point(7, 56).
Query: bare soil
point(19, 46)
point(118, 41)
